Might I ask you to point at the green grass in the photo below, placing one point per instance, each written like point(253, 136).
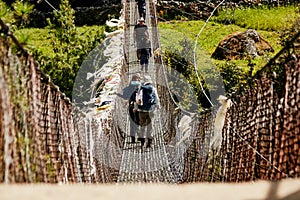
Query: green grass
point(261, 18)
point(212, 34)
point(37, 38)
point(268, 23)
point(209, 38)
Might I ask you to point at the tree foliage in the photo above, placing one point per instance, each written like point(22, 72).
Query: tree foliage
point(22, 10)
point(69, 48)
point(232, 75)
point(5, 13)
point(179, 63)
point(289, 32)
point(17, 15)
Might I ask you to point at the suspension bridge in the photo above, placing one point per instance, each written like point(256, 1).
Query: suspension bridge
point(46, 138)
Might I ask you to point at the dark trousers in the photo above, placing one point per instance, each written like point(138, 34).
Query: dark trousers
point(145, 124)
point(134, 121)
point(142, 8)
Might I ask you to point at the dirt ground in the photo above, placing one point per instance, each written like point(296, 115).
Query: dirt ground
point(288, 189)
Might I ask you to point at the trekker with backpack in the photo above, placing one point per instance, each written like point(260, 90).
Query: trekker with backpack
point(129, 93)
point(147, 101)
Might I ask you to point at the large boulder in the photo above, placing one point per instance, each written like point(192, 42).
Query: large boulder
point(242, 44)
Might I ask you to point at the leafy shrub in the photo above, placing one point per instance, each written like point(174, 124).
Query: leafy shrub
point(175, 61)
point(69, 48)
point(289, 32)
point(5, 13)
point(232, 75)
point(22, 10)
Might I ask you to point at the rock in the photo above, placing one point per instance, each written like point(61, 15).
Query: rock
point(242, 44)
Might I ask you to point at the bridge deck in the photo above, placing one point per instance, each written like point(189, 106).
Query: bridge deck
point(140, 164)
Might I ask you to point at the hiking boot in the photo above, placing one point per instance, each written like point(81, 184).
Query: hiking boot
point(149, 143)
point(132, 139)
point(142, 141)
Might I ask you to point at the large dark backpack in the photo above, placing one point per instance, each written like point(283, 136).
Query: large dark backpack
point(149, 98)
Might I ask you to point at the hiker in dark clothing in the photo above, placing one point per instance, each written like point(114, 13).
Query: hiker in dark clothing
point(129, 93)
point(140, 36)
point(146, 106)
point(141, 8)
point(145, 54)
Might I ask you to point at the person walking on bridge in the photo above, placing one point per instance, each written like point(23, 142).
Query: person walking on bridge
point(129, 93)
point(140, 35)
point(141, 8)
point(146, 106)
point(145, 54)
